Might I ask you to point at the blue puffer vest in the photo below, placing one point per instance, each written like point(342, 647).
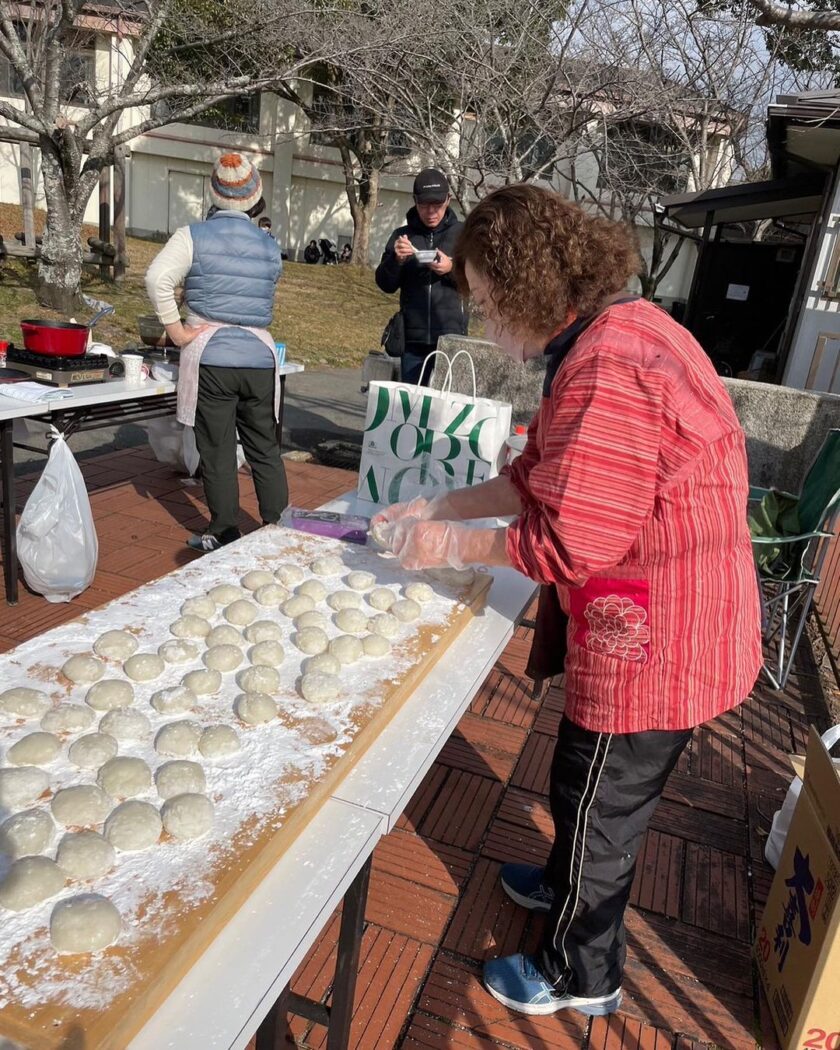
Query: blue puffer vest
point(234, 270)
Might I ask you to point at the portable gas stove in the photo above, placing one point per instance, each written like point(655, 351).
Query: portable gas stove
point(59, 371)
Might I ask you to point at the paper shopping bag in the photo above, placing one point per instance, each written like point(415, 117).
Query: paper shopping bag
point(419, 439)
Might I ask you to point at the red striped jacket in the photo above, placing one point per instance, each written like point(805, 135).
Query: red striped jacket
point(634, 485)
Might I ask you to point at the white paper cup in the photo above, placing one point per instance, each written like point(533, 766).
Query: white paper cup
point(135, 371)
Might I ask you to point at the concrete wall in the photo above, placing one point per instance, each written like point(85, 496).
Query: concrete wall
point(784, 427)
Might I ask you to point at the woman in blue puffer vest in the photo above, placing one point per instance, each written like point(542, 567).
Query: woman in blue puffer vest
point(228, 382)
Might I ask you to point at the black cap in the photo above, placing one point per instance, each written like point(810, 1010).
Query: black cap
point(431, 185)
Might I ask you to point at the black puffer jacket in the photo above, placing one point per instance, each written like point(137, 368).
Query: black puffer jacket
point(429, 302)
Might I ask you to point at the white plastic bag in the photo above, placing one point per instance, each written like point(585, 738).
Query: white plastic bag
point(174, 445)
point(56, 537)
point(782, 818)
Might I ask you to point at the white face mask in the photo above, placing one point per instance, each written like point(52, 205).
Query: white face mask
point(511, 344)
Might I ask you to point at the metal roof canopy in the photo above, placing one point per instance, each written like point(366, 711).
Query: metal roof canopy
point(792, 198)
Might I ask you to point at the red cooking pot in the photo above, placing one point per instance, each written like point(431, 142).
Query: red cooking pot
point(59, 338)
point(55, 338)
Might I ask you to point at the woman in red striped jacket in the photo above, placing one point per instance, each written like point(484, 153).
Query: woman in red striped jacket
point(629, 505)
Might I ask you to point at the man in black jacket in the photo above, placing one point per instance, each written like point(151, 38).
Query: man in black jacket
point(429, 300)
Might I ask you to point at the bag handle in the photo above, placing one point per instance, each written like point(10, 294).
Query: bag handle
point(434, 353)
point(447, 387)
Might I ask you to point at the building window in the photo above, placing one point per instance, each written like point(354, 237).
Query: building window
point(241, 113)
point(78, 73)
point(638, 157)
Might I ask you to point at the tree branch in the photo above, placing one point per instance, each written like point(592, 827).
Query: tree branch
point(774, 14)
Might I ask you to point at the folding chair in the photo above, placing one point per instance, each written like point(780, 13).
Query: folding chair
point(788, 581)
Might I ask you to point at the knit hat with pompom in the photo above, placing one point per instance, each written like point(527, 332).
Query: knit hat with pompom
point(235, 184)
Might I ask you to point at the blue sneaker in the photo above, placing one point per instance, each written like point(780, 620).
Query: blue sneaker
point(523, 884)
point(516, 982)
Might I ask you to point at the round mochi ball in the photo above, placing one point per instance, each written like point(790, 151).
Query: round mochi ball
point(29, 881)
point(224, 634)
point(85, 855)
point(21, 785)
point(225, 593)
point(288, 574)
point(405, 610)
point(219, 742)
point(360, 581)
point(202, 605)
point(203, 682)
point(263, 631)
point(327, 565)
point(384, 624)
point(344, 600)
point(256, 578)
point(419, 592)
point(115, 645)
point(323, 663)
point(125, 723)
point(272, 594)
point(255, 708)
point(80, 806)
point(310, 619)
point(24, 702)
point(381, 598)
point(314, 589)
point(259, 679)
point(92, 750)
point(26, 833)
point(67, 718)
point(124, 777)
point(241, 612)
point(376, 645)
point(351, 621)
point(174, 778)
point(190, 626)
point(178, 738)
point(111, 693)
point(86, 923)
point(83, 670)
point(297, 605)
point(178, 651)
point(175, 700)
point(34, 749)
point(311, 640)
point(319, 688)
point(133, 826)
point(347, 648)
point(144, 667)
point(187, 816)
point(271, 654)
point(223, 657)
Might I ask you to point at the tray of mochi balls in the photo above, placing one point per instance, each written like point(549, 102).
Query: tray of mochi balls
point(270, 615)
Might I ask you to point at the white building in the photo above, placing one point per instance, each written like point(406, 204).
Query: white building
point(168, 170)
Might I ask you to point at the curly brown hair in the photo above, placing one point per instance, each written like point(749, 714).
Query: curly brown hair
point(543, 256)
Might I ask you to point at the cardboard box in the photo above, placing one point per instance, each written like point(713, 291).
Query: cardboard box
point(798, 942)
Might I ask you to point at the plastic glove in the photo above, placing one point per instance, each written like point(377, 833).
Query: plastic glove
point(423, 544)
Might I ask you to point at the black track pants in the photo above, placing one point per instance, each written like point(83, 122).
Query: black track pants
point(604, 789)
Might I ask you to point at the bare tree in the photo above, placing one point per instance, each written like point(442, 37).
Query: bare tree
point(173, 59)
point(821, 15)
point(701, 85)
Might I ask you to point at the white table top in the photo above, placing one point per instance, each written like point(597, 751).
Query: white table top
point(220, 1002)
point(108, 392)
point(391, 770)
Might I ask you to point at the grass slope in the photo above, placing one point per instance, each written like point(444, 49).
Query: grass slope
point(327, 315)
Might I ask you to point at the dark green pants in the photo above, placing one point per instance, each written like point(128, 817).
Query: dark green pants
point(231, 401)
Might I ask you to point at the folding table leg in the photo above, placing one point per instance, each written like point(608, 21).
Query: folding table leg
point(347, 964)
point(271, 1034)
point(7, 458)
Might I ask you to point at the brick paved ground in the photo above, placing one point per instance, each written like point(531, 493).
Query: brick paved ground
point(435, 910)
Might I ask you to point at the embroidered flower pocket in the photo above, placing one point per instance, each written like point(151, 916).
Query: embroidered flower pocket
point(612, 618)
